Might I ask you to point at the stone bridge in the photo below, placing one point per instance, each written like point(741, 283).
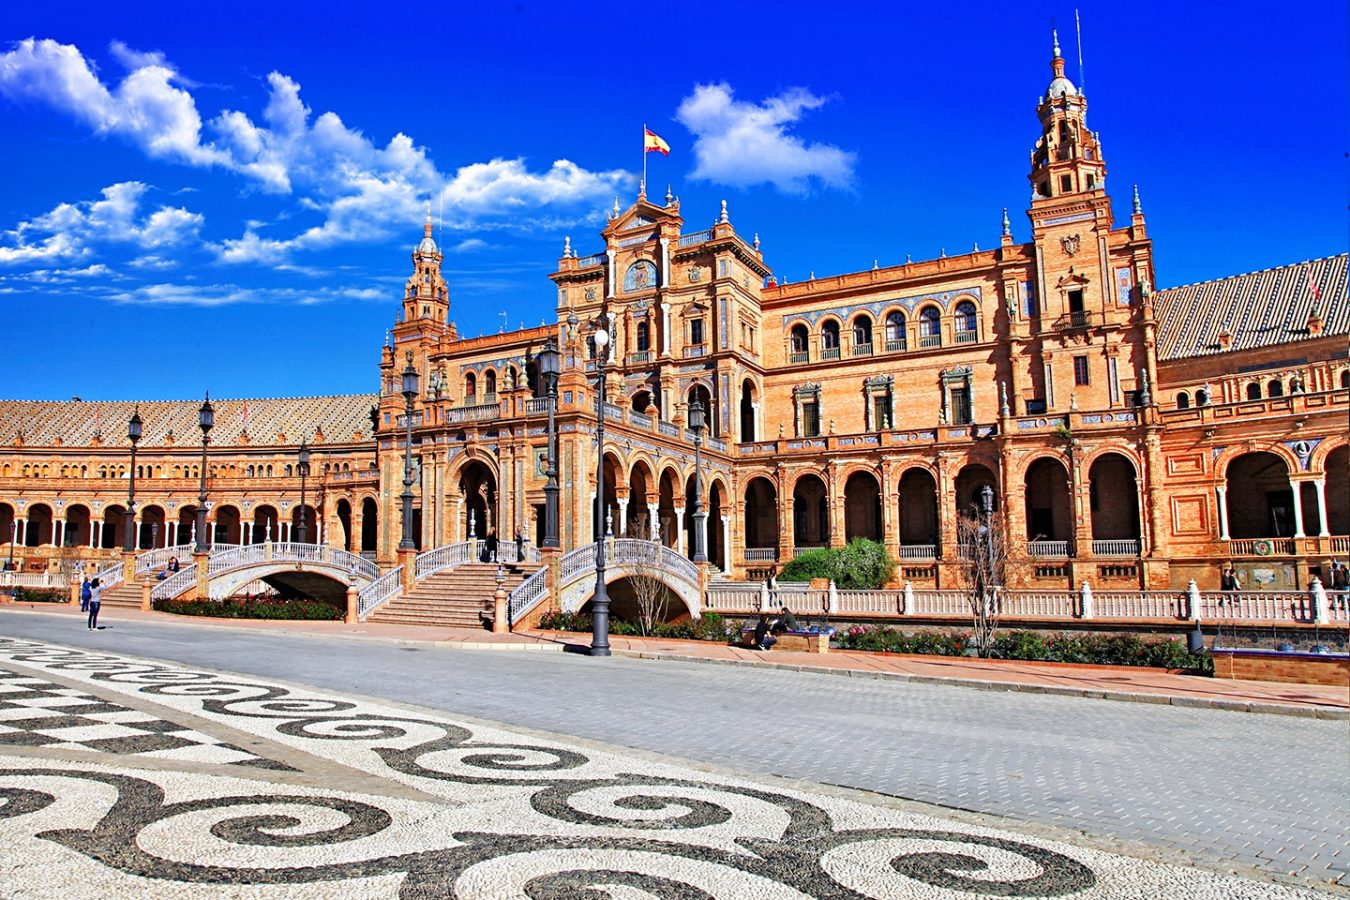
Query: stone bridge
point(624, 558)
point(313, 569)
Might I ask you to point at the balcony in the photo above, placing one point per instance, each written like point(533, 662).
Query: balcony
point(918, 552)
point(1272, 546)
point(1048, 549)
point(480, 413)
point(695, 350)
point(1079, 318)
point(761, 554)
point(1116, 548)
point(640, 357)
point(930, 340)
point(536, 405)
point(799, 356)
point(862, 349)
point(895, 346)
point(967, 337)
point(829, 353)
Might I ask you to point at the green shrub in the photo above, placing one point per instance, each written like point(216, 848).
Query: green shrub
point(711, 627)
point(1020, 645)
point(1096, 649)
point(565, 621)
point(39, 595)
point(309, 610)
point(861, 565)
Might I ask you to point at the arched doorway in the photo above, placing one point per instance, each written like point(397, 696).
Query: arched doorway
point(8, 532)
point(153, 532)
point(607, 521)
point(265, 525)
point(227, 530)
point(918, 514)
point(344, 514)
point(478, 493)
point(970, 481)
point(761, 518)
point(370, 525)
point(810, 512)
point(639, 489)
point(114, 528)
point(38, 531)
point(311, 524)
point(1338, 491)
point(187, 524)
point(665, 511)
point(862, 507)
point(717, 554)
point(748, 411)
point(704, 396)
point(1049, 515)
point(1113, 491)
point(1260, 499)
point(78, 530)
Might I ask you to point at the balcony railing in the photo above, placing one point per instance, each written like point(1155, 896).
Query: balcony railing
point(918, 552)
point(1115, 548)
point(642, 420)
point(829, 353)
point(1079, 318)
point(930, 340)
point(799, 356)
point(536, 405)
point(1340, 544)
point(1272, 546)
point(695, 350)
point(639, 357)
point(862, 349)
point(761, 554)
point(1048, 549)
point(613, 413)
point(698, 237)
point(595, 259)
point(479, 413)
point(967, 337)
point(895, 346)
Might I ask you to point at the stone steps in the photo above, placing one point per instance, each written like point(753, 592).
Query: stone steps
point(459, 598)
point(125, 595)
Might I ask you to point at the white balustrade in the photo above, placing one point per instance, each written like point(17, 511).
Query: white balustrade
point(1340, 544)
point(526, 596)
point(110, 576)
point(383, 589)
point(918, 552)
point(234, 557)
point(1050, 549)
point(157, 560)
point(1139, 604)
point(577, 561)
point(442, 558)
point(733, 597)
point(1037, 604)
point(761, 554)
point(878, 602)
point(174, 585)
point(941, 603)
point(33, 580)
point(1273, 606)
point(1272, 546)
point(479, 413)
point(1114, 548)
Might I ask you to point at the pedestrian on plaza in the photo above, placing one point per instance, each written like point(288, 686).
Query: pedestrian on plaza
point(520, 545)
point(85, 592)
point(1230, 580)
point(490, 545)
point(763, 640)
point(95, 601)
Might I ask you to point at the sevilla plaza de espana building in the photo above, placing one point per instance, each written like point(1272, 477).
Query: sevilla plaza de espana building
point(1134, 437)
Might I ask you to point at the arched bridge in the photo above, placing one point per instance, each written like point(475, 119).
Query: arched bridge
point(305, 567)
point(624, 558)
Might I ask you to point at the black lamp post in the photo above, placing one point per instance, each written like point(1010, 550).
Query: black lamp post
point(600, 602)
point(986, 518)
point(206, 419)
point(700, 517)
point(549, 367)
point(133, 435)
point(409, 392)
point(304, 473)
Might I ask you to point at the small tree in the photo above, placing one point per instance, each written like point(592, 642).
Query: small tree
point(647, 579)
point(983, 550)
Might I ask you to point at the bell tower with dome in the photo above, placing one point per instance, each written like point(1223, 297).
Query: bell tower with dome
point(426, 295)
point(1067, 159)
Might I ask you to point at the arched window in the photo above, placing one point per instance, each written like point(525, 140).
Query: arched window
point(1275, 388)
point(930, 327)
point(1345, 378)
point(1183, 400)
point(862, 335)
point(644, 337)
point(470, 388)
point(829, 340)
point(489, 386)
point(965, 320)
point(895, 330)
point(801, 344)
point(1254, 391)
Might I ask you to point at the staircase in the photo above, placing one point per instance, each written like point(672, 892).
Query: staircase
point(126, 595)
point(458, 598)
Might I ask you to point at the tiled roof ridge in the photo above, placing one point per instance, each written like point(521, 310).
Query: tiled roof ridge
point(1289, 265)
point(196, 399)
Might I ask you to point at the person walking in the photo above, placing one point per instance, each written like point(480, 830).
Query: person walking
point(85, 592)
point(1230, 580)
point(95, 601)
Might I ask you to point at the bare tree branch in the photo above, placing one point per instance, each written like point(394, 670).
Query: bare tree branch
point(983, 551)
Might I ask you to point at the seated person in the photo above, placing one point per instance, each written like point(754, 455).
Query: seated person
point(786, 622)
point(763, 640)
point(169, 569)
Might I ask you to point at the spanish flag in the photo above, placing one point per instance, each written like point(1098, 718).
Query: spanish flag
point(651, 142)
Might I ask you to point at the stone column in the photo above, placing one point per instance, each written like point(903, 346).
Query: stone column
point(1222, 491)
point(623, 517)
point(1320, 484)
point(653, 519)
point(1298, 508)
point(680, 536)
point(726, 543)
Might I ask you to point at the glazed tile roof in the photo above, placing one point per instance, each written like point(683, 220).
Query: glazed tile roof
point(75, 423)
point(1259, 309)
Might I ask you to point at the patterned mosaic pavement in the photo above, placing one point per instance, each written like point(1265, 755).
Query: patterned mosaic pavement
point(124, 777)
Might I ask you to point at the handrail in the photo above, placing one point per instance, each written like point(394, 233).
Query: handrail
point(380, 591)
point(111, 576)
point(152, 560)
point(526, 596)
point(439, 559)
point(174, 585)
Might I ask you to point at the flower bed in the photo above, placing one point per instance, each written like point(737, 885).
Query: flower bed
point(38, 595)
point(1093, 649)
point(709, 627)
point(252, 609)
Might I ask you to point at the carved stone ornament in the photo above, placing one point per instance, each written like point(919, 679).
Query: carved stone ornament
point(1070, 243)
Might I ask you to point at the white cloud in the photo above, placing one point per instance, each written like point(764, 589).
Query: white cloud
point(365, 190)
point(742, 144)
point(67, 232)
point(469, 245)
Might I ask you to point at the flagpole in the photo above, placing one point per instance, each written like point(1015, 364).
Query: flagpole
point(642, 189)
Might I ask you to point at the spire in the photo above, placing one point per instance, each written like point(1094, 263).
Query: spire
point(1138, 209)
point(723, 220)
point(1007, 226)
point(670, 198)
point(567, 247)
point(1054, 36)
point(426, 229)
point(642, 189)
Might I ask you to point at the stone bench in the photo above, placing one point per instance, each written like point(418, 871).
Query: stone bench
point(817, 641)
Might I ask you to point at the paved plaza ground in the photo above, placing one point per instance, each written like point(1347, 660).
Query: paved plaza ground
point(167, 758)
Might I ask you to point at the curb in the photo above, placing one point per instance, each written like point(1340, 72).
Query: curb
point(1247, 706)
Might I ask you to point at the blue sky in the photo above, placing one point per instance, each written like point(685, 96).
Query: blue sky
point(225, 197)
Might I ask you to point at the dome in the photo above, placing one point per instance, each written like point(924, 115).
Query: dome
point(427, 245)
point(1060, 87)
